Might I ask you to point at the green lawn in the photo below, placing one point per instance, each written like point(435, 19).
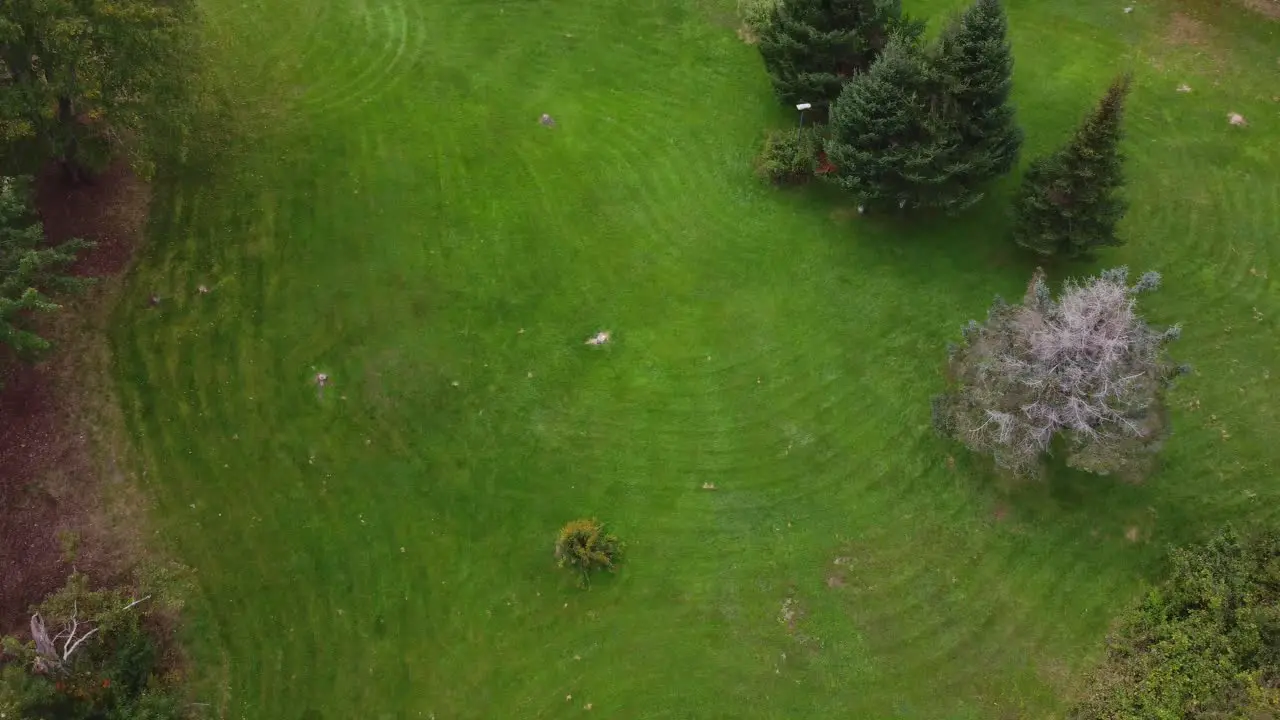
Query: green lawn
point(391, 213)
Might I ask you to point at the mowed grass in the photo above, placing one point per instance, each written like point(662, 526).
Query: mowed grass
point(392, 214)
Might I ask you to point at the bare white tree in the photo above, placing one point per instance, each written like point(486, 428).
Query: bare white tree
point(55, 653)
point(1084, 367)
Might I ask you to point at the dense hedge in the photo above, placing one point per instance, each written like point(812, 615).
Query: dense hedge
point(1205, 644)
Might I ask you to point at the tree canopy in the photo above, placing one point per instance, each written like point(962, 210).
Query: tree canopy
point(974, 66)
point(29, 269)
point(883, 139)
point(812, 47)
point(1084, 368)
point(927, 128)
point(1203, 645)
point(1070, 202)
point(80, 79)
point(92, 656)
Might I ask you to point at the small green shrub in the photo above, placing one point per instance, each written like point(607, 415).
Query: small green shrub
point(790, 157)
point(756, 14)
point(1204, 645)
point(584, 546)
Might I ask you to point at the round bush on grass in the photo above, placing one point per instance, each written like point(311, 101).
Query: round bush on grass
point(584, 546)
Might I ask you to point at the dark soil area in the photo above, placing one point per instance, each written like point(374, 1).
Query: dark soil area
point(110, 212)
point(30, 556)
point(51, 472)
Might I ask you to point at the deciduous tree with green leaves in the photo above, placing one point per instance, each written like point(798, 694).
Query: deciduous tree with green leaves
point(29, 270)
point(812, 47)
point(1070, 202)
point(1204, 644)
point(81, 79)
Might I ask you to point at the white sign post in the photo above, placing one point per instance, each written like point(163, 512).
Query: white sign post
point(801, 107)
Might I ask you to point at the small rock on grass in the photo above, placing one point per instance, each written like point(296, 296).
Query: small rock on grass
point(1237, 119)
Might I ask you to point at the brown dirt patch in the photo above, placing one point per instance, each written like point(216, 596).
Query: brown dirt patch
point(835, 581)
point(110, 212)
point(30, 557)
point(60, 426)
point(1266, 8)
point(1185, 33)
point(1132, 534)
point(1186, 30)
point(747, 35)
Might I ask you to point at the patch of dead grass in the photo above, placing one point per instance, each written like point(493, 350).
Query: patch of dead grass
point(1186, 30)
point(1185, 33)
point(1267, 8)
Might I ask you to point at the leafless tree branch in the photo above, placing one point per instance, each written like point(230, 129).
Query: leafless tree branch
point(1084, 364)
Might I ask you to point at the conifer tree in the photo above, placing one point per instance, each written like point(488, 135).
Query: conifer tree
point(888, 149)
point(29, 268)
point(1070, 202)
point(812, 47)
point(963, 132)
point(974, 66)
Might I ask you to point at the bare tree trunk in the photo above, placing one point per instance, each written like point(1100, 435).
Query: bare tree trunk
point(45, 651)
point(72, 170)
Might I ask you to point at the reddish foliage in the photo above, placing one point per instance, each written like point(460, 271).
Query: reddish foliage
point(824, 164)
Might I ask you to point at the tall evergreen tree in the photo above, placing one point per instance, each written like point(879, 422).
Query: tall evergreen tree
point(812, 47)
point(1070, 202)
point(974, 66)
point(29, 268)
point(889, 149)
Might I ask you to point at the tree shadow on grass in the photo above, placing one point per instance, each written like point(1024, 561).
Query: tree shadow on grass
point(1110, 525)
point(971, 250)
point(925, 247)
point(1073, 502)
